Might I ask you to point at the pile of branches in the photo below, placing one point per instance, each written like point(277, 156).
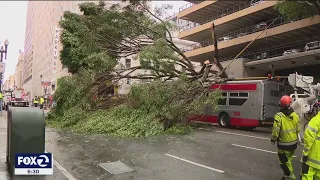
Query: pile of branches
point(97, 39)
point(160, 67)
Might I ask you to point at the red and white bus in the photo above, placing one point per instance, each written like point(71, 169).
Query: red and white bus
point(246, 104)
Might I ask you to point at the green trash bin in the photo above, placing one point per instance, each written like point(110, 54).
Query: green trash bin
point(25, 133)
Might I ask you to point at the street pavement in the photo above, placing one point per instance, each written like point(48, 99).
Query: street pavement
point(58, 175)
point(210, 153)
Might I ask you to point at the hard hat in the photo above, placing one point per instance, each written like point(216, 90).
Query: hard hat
point(285, 101)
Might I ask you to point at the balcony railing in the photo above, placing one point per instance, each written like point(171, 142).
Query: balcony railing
point(186, 6)
point(276, 52)
point(239, 33)
point(220, 14)
point(282, 51)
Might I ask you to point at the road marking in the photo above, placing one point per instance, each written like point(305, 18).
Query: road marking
point(194, 163)
point(257, 137)
point(247, 147)
point(62, 169)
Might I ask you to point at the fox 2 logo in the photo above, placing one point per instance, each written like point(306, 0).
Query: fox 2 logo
point(43, 160)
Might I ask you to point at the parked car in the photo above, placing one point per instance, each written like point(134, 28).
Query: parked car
point(291, 51)
point(255, 2)
point(260, 26)
point(263, 55)
point(225, 38)
point(242, 34)
point(222, 15)
point(312, 45)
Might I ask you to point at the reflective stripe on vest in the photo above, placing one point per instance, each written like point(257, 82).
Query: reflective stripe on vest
point(288, 131)
point(288, 137)
point(312, 129)
point(314, 161)
point(287, 143)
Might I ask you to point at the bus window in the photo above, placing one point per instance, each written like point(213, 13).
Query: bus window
point(223, 100)
point(234, 94)
point(275, 93)
point(243, 94)
point(238, 99)
point(282, 88)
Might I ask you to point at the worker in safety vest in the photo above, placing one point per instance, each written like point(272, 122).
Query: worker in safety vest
point(41, 101)
point(1, 101)
point(310, 169)
point(35, 101)
point(285, 132)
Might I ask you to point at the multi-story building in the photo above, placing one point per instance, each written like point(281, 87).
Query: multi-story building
point(47, 67)
point(42, 66)
point(18, 71)
point(6, 85)
point(9, 83)
point(28, 48)
point(283, 47)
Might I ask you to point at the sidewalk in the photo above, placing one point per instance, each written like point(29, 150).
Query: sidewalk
point(57, 175)
point(3, 147)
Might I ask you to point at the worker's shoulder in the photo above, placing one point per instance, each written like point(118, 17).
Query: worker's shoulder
point(315, 120)
point(280, 114)
point(294, 114)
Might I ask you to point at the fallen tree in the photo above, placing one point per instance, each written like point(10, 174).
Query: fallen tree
point(93, 43)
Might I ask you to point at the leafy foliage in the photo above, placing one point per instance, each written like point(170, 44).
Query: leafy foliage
point(74, 91)
point(94, 39)
point(293, 9)
point(93, 42)
point(146, 113)
point(174, 101)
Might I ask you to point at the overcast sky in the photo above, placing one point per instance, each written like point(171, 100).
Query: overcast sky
point(13, 22)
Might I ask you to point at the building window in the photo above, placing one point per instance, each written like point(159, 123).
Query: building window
point(238, 99)
point(275, 93)
point(128, 63)
point(58, 8)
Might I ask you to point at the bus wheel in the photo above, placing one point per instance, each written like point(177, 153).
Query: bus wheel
point(224, 120)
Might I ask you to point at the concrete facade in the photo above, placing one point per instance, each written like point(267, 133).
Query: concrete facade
point(42, 66)
point(28, 48)
point(9, 83)
point(237, 23)
point(46, 48)
point(19, 72)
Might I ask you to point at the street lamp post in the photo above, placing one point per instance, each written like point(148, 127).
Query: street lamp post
point(3, 51)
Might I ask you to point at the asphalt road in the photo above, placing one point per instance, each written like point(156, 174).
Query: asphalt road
point(211, 153)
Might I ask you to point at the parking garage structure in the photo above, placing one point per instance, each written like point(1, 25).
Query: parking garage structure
point(238, 23)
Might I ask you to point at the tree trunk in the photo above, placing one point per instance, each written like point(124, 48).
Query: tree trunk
point(216, 52)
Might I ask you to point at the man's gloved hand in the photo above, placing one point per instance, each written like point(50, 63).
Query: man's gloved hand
point(273, 142)
point(304, 159)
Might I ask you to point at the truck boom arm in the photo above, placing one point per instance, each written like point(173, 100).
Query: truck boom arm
point(303, 104)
